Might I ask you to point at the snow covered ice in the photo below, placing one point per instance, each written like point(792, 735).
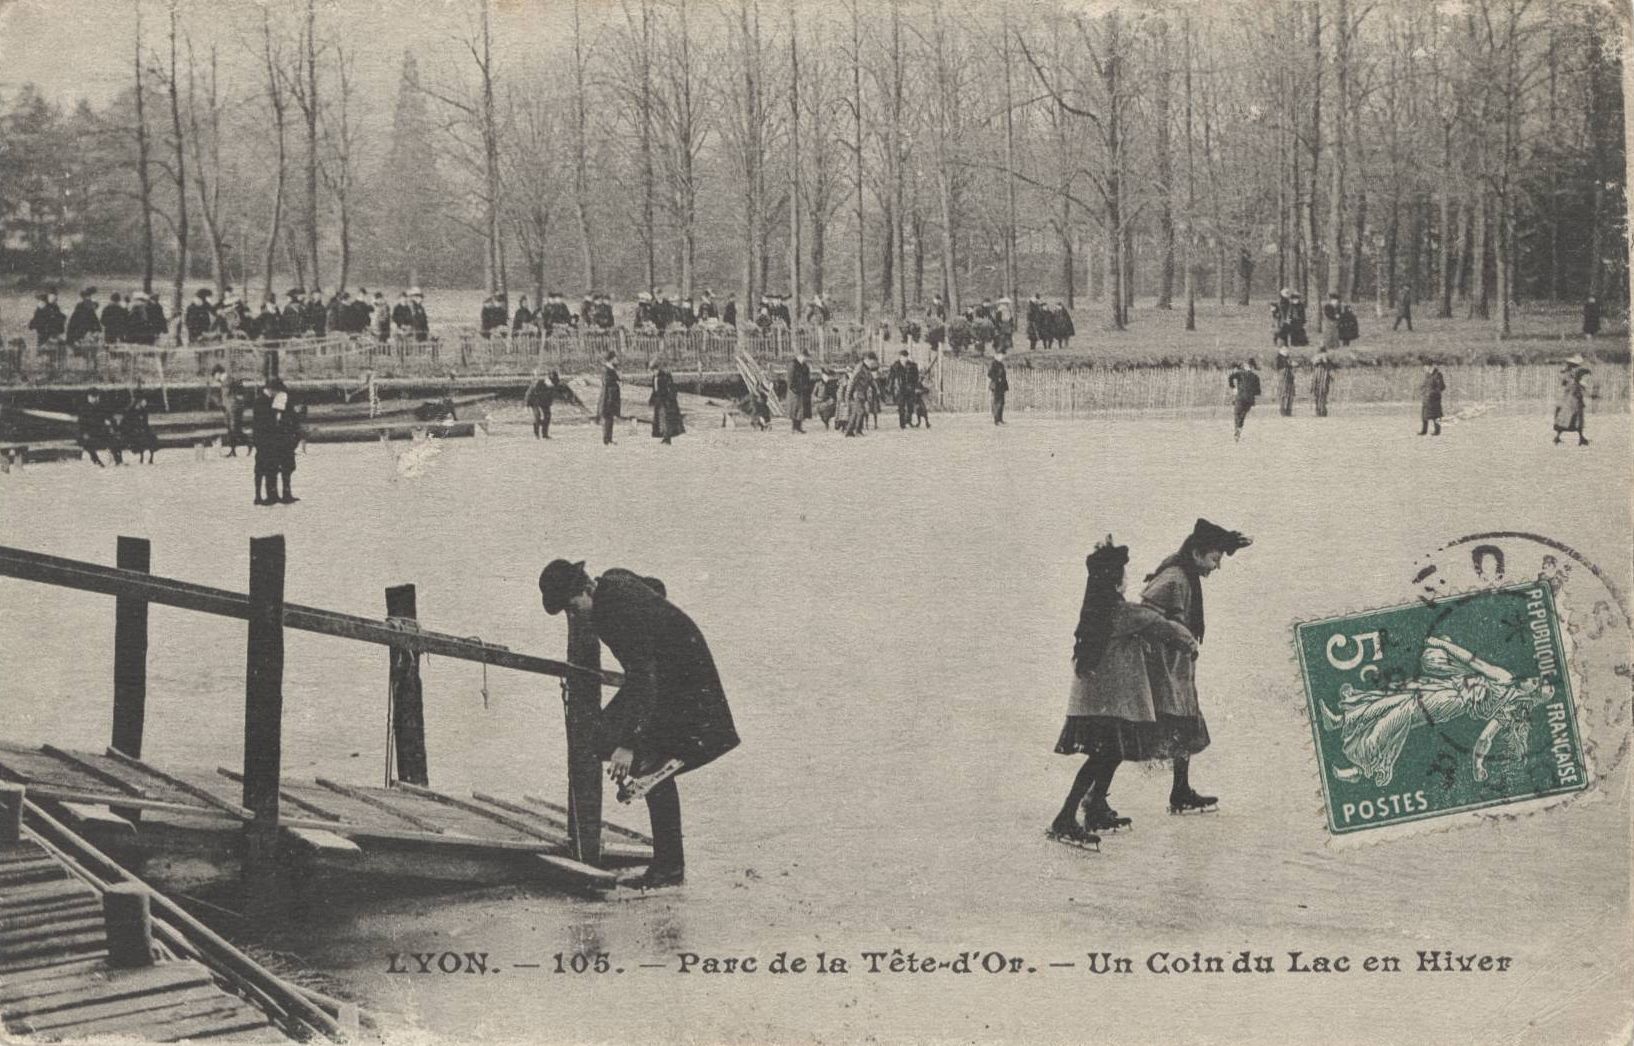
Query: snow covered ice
point(892, 617)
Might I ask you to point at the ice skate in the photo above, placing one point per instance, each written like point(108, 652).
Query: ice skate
point(1073, 834)
point(1099, 817)
point(632, 788)
point(1190, 802)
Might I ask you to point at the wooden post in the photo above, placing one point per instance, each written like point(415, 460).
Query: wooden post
point(11, 813)
point(264, 686)
point(129, 925)
point(583, 711)
point(130, 653)
point(403, 685)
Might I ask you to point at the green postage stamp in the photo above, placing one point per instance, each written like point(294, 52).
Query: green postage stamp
point(1441, 707)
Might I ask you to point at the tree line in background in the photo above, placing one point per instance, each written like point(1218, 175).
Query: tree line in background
point(1466, 154)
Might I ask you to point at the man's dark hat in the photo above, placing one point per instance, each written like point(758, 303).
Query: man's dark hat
point(87, 292)
point(204, 292)
point(559, 582)
point(1210, 537)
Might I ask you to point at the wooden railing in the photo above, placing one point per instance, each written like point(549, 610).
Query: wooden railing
point(264, 607)
point(698, 350)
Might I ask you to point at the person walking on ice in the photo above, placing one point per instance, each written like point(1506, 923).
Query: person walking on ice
point(1111, 716)
point(1175, 589)
point(1244, 382)
point(998, 384)
point(1430, 391)
point(670, 717)
point(1569, 408)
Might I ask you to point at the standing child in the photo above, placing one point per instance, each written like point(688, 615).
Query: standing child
point(1111, 716)
point(1175, 589)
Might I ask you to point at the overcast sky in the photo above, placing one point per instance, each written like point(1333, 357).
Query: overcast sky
point(82, 48)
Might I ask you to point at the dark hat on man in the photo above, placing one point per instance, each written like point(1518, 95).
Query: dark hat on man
point(559, 582)
point(1211, 537)
point(87, 292)
point(204, 292)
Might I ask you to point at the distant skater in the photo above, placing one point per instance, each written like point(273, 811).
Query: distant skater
point(609, 406)
point(904, 382)
point(665, 403)
point(670, 717)
point(799, 390)
point(1244, 383)
point(136, 430)
point(1569, 408)
point(541, 398)
point(1430, 390)
point(998, 386)
point(1175, 589)
point(96, 429)
point(862, 386)
point(1111, 716)
point(1285, 381)
point(1404, 311)
point(1321, 380)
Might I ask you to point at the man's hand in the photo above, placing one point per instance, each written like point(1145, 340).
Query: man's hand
point(619, 765)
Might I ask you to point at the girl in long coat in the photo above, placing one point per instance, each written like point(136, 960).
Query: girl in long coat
point(666, 405)
point(1175, 589)
point(1569, 408)
point(1429, 392)
point(1111, 715)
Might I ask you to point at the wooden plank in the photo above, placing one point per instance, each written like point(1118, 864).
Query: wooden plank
point(65, 925)
point(285, 795)
point(628, 833)
point(54, 794)
point(113, 781)
point(24, 982)
point(381, 804)
point(202, 794)
point(43, 893)
point(88, 904)
point(579, 872)
point(164, 1025)
point(497, 816)
point(94, 817)
point(31, 872)
point(71, 988)
point(151, 1005)
point(560, 821)
point(31, 766)
point(76, 944)
point(406, 696)
point(88, 577)
point(325, 844)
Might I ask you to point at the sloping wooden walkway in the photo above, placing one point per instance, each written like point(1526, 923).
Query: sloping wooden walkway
point(404, 829)
point(56, 982)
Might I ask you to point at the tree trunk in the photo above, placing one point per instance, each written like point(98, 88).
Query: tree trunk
point(1012, 278)
point(581, 178)
point(795, 252)
point(1191, 192)
point(180, 161)
point(311, 113)
point(859, 294)
point(275, 98)
point(143, 179)
point(1165, 170)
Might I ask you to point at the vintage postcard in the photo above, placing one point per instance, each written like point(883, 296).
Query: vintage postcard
point(785, 521)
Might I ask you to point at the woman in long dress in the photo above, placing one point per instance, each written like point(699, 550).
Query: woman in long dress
point(1452, 684)
point(666, 405)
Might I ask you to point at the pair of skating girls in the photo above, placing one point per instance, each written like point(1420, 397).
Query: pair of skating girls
point(1134, 694)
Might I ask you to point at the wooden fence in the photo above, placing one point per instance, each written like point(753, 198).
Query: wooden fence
point(1101, 390)
point(465, 352)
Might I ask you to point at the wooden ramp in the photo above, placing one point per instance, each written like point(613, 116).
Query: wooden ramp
point(56, 982)
point(402, 830)
point(756, 378)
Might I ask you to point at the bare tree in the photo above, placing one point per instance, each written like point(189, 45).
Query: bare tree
point(581, 165)
point(278, 104)
point(143, 178)
point(338, 167)
point(205, 139)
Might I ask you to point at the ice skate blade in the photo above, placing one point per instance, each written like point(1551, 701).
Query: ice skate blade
point(1088, 842)
point(1211, 809)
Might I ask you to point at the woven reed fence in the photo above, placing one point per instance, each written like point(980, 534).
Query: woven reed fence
point(1100, 390)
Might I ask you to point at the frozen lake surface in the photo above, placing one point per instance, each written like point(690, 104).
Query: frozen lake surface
point(893, 618)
